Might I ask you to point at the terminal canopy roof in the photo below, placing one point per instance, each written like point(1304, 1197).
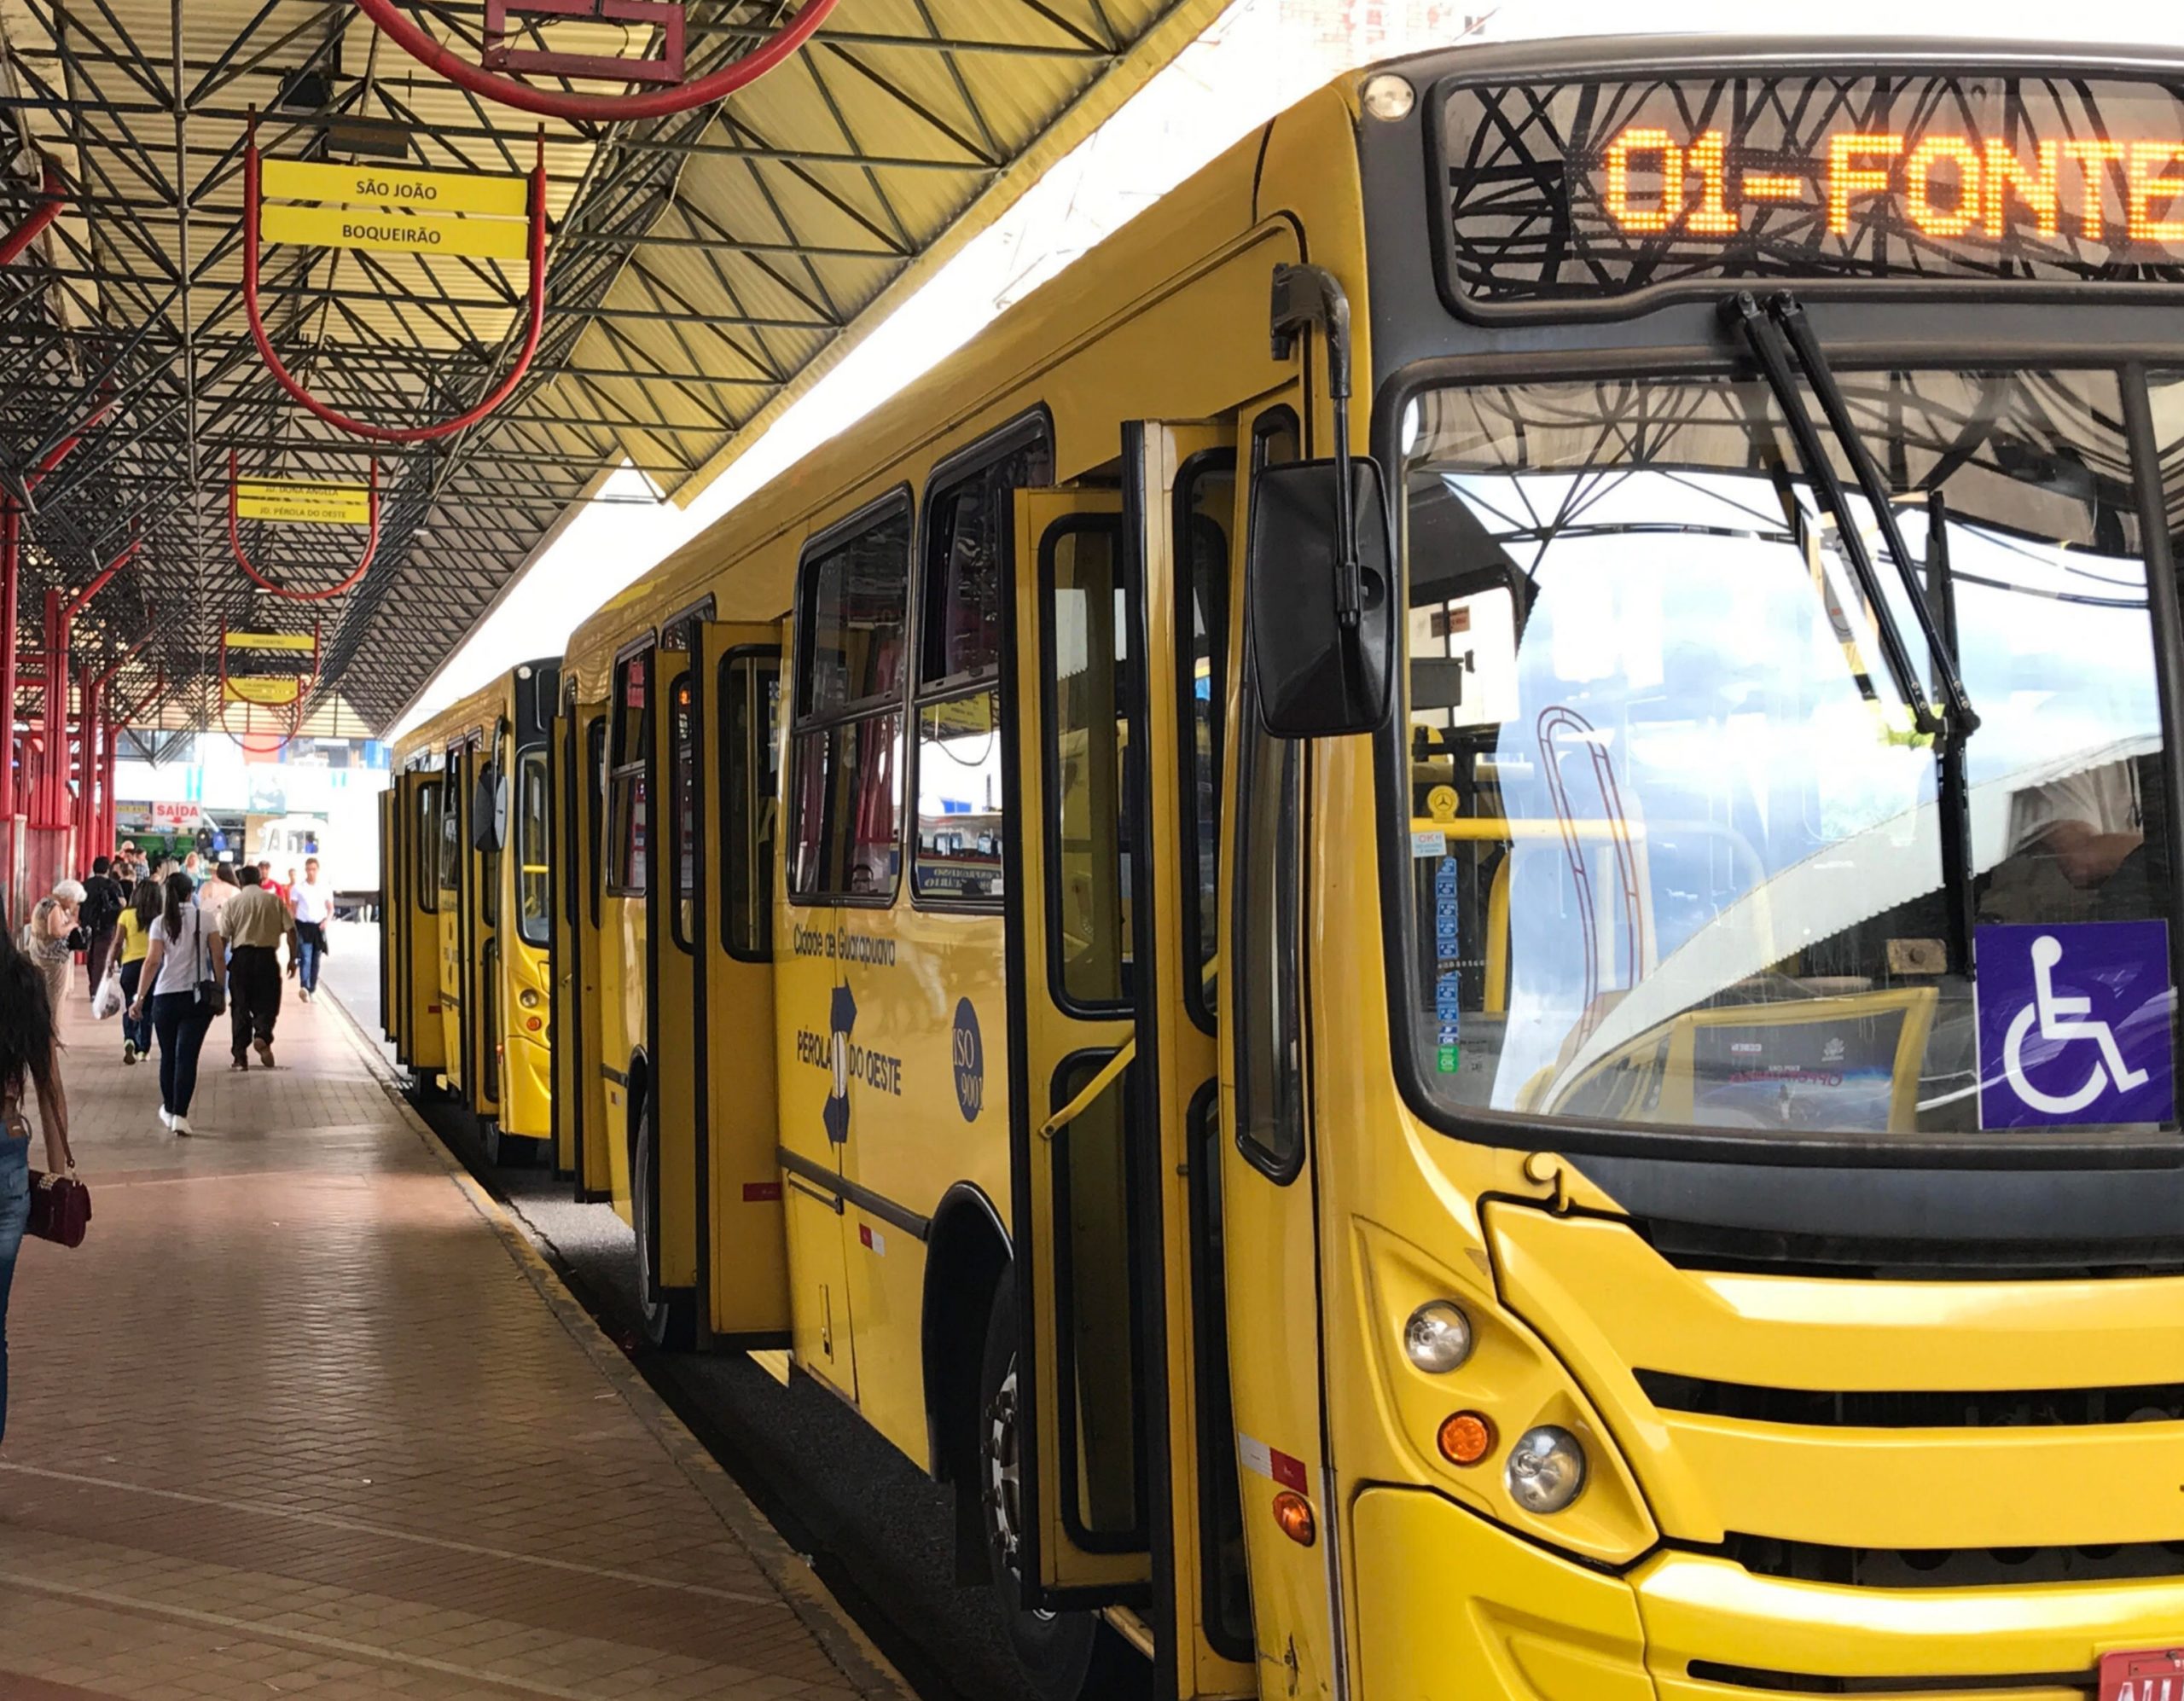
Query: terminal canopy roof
point(702, 267)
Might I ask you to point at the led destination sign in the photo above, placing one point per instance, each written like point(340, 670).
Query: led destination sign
point(1565, 191)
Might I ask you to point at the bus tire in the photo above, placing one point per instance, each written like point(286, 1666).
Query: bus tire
point(670, 1320)
point(1064, 1655)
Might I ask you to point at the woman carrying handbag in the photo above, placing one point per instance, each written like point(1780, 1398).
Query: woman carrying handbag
point(30, 1061)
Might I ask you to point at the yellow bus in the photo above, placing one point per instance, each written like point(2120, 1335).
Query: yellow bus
point(1434, 921)
point(467, 924)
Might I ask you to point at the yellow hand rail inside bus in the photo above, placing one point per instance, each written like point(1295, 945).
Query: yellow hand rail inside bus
point(1098, 1084)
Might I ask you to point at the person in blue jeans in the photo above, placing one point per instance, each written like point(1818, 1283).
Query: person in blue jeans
point(312, 904)
point(30, 1061)
point(183, 983)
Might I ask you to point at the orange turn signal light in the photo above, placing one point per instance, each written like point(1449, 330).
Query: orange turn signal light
point(1293, 1512)
point(1465, 1437)
point(533, 1023)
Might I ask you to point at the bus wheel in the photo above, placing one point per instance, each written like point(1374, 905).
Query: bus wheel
point(1065, 1655)
point(670, 1321)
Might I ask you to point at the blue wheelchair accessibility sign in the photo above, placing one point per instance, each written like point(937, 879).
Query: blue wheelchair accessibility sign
point(2074, 1023)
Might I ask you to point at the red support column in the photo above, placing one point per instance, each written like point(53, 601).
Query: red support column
point(11, 561)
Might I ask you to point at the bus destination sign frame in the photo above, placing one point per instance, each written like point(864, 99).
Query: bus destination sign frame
point(1609, 192)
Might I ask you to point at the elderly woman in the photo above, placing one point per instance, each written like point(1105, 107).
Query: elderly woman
point(48, 937)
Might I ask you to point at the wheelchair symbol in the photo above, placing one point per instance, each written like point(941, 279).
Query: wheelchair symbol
point(2058, 1022)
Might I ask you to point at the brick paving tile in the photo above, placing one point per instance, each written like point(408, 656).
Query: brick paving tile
point(303, 1417)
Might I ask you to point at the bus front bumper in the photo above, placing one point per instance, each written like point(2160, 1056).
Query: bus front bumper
point(1453, 1608)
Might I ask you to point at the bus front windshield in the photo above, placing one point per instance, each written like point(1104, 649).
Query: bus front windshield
point(1677, 843)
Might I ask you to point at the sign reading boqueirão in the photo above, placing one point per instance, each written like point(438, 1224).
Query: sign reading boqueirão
point(406, 212)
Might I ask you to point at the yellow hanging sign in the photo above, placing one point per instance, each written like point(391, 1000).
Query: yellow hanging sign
point(270, 641)
point(299, 502)
point(265, 692)
point(341, 227)
point(376, 186)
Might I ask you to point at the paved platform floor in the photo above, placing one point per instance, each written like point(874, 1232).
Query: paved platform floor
point(305, 1415)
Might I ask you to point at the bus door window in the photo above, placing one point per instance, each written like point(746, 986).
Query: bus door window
point(682, 810)
point(450, 825)
point(845, 790)
point(489, 853)
point(750, 755)
point(1087, 666)
point(962, 610)
point(1206, 504)
point(427, 841)
point(594, 755)
point(627, 803)
point(534, 866)
point(1265, 943)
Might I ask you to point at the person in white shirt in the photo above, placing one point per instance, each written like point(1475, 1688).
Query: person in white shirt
point(183, 983)
point(313, 904)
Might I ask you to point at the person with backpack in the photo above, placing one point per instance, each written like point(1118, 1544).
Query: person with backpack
point(99, 912)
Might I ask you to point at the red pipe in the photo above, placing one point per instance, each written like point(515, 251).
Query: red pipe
point(58, 452)
point(42, 215)
point(235, 542)
point(76, 606)
point(404, 32)
point(252, 197)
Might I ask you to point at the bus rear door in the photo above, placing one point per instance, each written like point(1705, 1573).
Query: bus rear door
point(390, 930)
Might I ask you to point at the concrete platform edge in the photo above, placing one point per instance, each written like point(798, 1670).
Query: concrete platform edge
point(867, 1670)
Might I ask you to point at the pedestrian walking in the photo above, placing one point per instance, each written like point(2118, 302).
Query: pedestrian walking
point(184, 985)
point(312, 904)
point(135, 934)
point(103, 902)
point(213, 895)
point(254, 922)
point(30, 1062)
point(194, 866)
point(266, 879)
point(51, 938)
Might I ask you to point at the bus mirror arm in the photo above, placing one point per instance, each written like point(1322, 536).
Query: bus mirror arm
point(1308, 298)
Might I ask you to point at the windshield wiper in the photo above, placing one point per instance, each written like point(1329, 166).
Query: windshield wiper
point(1772, 348)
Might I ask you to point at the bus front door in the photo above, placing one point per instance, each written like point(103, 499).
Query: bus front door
point(743, 1247)
point(390, 930)
point(413, 912)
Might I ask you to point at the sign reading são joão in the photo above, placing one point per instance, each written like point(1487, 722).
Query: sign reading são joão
point(2074, 1021)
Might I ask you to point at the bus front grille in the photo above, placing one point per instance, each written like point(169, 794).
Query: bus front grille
point(1903, 1568)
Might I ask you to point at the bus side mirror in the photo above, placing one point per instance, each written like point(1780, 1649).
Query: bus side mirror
point(1315, 677)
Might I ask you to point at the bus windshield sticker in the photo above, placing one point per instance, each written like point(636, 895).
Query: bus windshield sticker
point(1570, 191)
point(2074, 1024)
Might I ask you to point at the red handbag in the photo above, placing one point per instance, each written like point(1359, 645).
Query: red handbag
point(61, 1209)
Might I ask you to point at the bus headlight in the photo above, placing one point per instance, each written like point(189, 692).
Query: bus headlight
point(1438, 1338)
point(1388, 98)
point(528, 999)
point(1547, 1469)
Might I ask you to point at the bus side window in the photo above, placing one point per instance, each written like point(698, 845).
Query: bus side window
point(852, 616)
point(1264, 938)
